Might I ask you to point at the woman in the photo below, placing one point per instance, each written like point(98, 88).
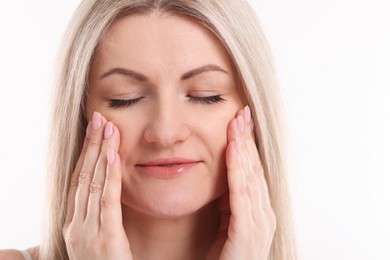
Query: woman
point(166, 137)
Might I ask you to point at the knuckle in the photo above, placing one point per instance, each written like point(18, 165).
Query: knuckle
point(112, 177)
point(272, 221)
point(234, 167)
point(74, 181)
point(258, 169)
point(70, 237)
point(65, 229)
point(95, 141)
point(106, 202)
point(241, 190)
point(95, 187)
point(84, 149)
point(252, 179)
point(85, 176)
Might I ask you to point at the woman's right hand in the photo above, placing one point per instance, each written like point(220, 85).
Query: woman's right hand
point(93, 228)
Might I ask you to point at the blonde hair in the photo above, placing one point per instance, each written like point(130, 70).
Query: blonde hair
point(237, 27)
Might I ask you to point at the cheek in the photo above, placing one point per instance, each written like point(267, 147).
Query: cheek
point(215, 132)
point(129, 145)
point(129, 130)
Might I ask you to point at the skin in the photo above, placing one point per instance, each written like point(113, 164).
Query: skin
point(220, 209)
point(165, 123)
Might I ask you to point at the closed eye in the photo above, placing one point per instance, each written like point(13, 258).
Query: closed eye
point(116, 103)
point(207, 100)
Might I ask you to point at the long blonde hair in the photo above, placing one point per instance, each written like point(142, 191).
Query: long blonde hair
point(237, 27)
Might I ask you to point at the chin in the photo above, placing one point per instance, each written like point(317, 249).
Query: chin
point(172, 204)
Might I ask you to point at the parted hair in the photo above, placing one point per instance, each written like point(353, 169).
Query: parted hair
point(237, 27)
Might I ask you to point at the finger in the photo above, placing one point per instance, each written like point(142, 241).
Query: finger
point(246, 116)
point(88, 167)
point(231, 131)
point(111, 208)
point(257, 184)
point(251, 164)
point(75, 178)
point(239, 201)
point(248, 136)
point(111, 140)
point(257, 165)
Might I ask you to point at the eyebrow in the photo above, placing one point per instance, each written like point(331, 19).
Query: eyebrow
point(194, 72)
point(142, 78)
point(126, 72)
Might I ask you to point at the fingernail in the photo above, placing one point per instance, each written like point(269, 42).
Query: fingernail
point(110, 156)
point(240, 124)
point(247, 114)
point(88, 133)
point(96, 120)
point(108, 130)
point(237, 144)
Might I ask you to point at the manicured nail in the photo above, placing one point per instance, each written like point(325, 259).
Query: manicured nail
point(237, 144)
point(88, 132)
point(247, 115)
point(108, 130)
point(240, 124)
point(110, 156)
point(96, 120)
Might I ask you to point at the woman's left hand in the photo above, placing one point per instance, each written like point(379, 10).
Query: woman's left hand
point(247, 222)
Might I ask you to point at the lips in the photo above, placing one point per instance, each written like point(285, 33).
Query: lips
point(167, 168)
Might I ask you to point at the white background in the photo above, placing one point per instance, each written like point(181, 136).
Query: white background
point(333, 59)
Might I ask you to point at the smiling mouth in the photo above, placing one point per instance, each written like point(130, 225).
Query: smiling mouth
point(167, 168)
point(168, 165)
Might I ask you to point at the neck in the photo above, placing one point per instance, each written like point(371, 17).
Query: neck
point(186, 237)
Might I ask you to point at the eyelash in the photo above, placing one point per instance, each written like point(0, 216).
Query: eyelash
point(207, 100)
point(116, 103)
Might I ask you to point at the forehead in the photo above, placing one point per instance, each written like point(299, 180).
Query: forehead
point(156, 39)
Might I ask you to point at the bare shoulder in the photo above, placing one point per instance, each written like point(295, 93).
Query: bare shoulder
point(13, 254)
point(10, 254)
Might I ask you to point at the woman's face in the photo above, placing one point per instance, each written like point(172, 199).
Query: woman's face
point(169, 86)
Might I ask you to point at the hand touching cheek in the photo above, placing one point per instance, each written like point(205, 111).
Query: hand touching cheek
point(93, 227)
point(247, 220)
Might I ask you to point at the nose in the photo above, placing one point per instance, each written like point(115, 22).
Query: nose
point(168, 125)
